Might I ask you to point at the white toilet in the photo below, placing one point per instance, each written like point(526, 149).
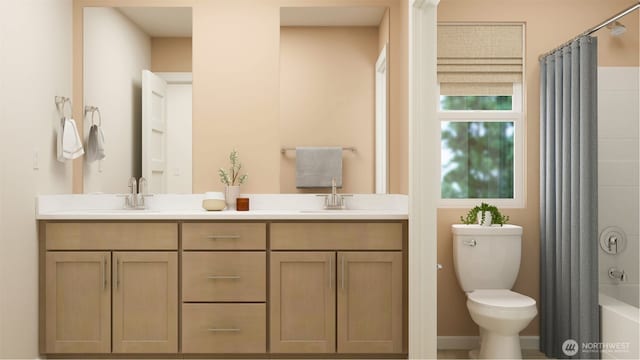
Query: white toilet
point(487, 261)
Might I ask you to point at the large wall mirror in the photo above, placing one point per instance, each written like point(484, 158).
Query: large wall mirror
point(333, 81)
point(138, 92)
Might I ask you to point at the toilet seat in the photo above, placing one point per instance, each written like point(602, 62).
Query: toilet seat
point(502, 299)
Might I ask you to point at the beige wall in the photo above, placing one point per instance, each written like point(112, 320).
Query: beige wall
point(35, 66)
point(116, 52)
point(171, 54)
point(548, 24)
point(236, 86)
point(327, 99)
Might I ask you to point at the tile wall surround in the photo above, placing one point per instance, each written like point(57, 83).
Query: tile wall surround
point(618, 164)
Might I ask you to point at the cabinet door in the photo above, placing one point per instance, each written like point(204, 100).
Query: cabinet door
point(369, 302)
point(78, 302)
point(302, 314)
point(145, 302)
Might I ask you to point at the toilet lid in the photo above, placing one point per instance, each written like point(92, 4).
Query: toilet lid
point(500, 298)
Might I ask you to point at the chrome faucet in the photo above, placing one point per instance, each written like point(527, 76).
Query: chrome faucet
point(334, 201)
point(130, 202)
point(617, 274)
point(134, 200)
point(142, 193)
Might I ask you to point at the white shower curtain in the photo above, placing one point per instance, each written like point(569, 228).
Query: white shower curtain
point(569, 312)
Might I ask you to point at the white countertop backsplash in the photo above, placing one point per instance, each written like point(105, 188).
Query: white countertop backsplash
point(189, 207)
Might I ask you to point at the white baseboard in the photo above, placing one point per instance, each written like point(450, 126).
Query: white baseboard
point(473, 342)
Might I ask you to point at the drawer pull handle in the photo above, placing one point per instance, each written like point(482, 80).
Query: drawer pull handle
point(116, 272)
point(223, 277)
point(343, 273)
point(223, 237)
point(330, 266)
point(223, 330)
point(104, 273)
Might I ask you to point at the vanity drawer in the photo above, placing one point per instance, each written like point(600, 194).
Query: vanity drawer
point(224, 276)
point(111, 236)
point(336, 236)
point(224, 236)
point(224, 328)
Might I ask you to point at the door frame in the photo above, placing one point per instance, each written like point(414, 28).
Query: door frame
point(382, 123)
point(423, 163)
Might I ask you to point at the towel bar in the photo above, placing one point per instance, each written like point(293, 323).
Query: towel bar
point(348, 148)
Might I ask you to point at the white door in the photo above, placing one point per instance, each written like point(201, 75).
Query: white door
point(154, 131)
point(381, 123)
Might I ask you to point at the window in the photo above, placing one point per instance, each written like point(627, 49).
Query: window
point(481, 147)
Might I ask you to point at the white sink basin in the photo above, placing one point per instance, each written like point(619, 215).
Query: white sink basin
point(113, 211)
point(341, 211)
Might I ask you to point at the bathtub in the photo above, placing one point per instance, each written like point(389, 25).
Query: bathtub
point(620, 321)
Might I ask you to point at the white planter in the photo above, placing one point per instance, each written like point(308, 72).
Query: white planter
point(487, 218)
point(231, 194)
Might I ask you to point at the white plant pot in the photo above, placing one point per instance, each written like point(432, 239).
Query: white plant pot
point(487, 218)
point(231, 194)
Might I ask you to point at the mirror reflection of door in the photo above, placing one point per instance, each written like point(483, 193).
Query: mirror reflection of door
point(382, 147)
point(118, 44)
point(166, 131)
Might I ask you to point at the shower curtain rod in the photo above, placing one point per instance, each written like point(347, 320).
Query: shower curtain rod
point(594, 29)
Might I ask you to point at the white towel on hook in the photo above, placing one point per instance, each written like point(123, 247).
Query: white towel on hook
point(71, 143)
point(95, 144)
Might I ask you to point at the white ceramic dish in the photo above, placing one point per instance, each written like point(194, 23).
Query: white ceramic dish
point(213, 204)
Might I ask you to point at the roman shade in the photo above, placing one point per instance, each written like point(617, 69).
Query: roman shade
point(479, 59)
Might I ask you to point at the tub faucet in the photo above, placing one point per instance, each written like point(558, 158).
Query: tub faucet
point(612, 244)
point(617, 274)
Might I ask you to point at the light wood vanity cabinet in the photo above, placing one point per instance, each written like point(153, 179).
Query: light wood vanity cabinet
point(370, 302)
point(246, 287)
point(224, 281)
point(349, 300)
point(78, 302)
point(145, 302)
point(113, 300)
point(303, 306)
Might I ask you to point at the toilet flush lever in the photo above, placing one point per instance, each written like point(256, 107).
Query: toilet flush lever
point(471, 242)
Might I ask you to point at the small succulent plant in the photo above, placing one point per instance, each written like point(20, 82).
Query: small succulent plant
point(231, 176)
point(496, 216)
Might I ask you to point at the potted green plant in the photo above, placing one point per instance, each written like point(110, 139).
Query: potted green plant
point(485, 215)
point(232, 179)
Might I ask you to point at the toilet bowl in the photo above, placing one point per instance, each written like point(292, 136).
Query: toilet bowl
point(501, 315)
point(487, 261)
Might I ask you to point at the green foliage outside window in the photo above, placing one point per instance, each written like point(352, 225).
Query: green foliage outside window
point(477, 157)
point(500, 103)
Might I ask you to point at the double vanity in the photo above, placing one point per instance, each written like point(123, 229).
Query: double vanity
point(285, 279)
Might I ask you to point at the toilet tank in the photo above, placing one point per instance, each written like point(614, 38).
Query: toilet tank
point(486, 257)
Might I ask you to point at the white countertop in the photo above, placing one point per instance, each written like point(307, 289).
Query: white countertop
point(188, 207)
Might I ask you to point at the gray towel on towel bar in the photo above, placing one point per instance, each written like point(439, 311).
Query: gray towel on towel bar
point(317, 166)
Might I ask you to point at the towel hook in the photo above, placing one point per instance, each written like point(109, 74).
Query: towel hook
point(61, 101)
point(99, 117)
point(93, 110)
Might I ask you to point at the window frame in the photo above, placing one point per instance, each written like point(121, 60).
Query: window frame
point(515, 115)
